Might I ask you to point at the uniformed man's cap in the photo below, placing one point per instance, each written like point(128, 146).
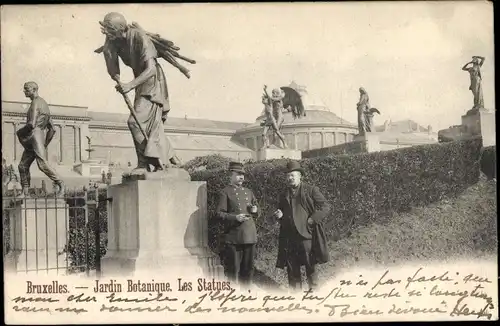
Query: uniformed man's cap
point(236, 167)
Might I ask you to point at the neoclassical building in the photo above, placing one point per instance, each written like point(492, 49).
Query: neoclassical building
point(111, 142)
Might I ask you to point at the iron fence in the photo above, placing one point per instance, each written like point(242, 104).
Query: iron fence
point(48, 233)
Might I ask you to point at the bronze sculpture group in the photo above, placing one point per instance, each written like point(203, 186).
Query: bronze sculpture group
point(273, 109)
point(282, 100)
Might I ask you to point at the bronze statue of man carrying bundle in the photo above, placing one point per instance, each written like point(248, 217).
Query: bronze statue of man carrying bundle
point(35, 137)
point(140, 50)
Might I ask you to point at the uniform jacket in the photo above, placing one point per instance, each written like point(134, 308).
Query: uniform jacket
point(309, 203)
point(235, 200)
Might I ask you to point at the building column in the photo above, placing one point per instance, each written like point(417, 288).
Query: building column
point(295, 140)
point(323, 139)
point(60, 149)
point(16, 156)
point(61, 128)
point(335, 138)
point(309, 140)
point(76, 148)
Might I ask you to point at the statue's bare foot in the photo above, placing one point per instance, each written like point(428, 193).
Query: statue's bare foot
point(158, 168)
point(176, 162)
point(24, 193)
point(139, 171)
point(59, 186)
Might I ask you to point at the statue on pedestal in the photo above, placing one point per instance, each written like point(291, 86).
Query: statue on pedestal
point(140, 51)
point(273, 108)
point(474, 69)
point(365, 113)
point(35, 136)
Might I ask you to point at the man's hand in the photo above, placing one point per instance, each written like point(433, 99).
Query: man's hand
point(278, 214)
point(241, 218)
point(310, 221)
point(123, 88)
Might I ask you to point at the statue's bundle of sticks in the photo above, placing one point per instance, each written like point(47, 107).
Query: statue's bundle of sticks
point(166, 50)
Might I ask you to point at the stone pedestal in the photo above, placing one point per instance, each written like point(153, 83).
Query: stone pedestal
point(480, 123)
point(370, 141)
point(38, 230)
point(278, 153)
point(157, 224)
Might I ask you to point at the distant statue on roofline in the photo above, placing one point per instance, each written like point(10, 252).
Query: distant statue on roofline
point(365, 113)
point(474, 69)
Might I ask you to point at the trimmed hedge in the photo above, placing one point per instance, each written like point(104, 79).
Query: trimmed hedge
point(361, 188)
point(489, 162)
point(353, 147)
point(209, 162)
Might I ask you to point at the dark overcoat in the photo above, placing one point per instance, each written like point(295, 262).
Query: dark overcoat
point(314, 206)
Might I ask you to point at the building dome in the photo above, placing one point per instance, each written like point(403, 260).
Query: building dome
point(310, 102)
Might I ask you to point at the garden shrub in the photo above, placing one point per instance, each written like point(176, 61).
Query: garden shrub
point(209, 162)
point(82, 235)
point(489, 162)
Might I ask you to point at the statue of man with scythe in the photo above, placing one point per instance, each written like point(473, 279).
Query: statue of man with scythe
point(140, 51)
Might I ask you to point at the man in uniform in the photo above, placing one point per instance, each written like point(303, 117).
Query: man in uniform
point(151, 103)
point(35, 136)
point(301, 210)
point(237, 208)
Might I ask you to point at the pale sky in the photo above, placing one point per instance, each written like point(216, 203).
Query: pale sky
point(408, 56)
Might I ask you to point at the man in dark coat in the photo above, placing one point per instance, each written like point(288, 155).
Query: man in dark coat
point(35, 136)
point(301, 210)
point(237, 208)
